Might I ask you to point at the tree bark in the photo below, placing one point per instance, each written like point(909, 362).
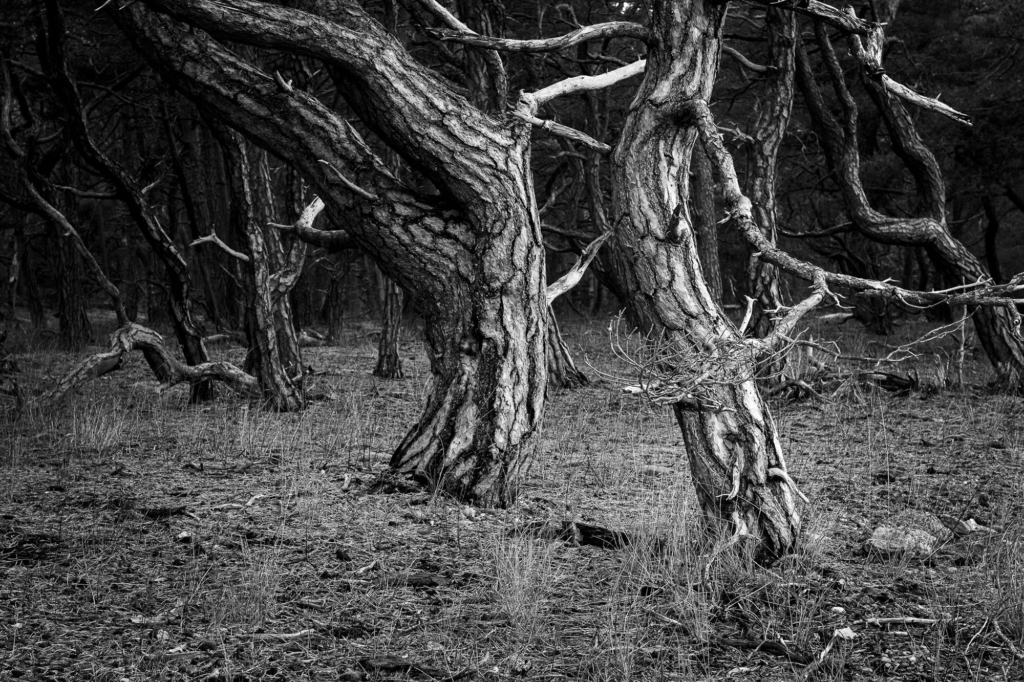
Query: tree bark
point(279, 389)
point(773, 113)
point(705, 222)
point(389, 364)
point(731, 440)
point(991, 233)
point(473, 257)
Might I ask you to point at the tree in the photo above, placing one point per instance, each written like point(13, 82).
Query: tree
point(472, 257)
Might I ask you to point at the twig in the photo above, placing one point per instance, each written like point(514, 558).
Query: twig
point(348, 183)
point(212, 238)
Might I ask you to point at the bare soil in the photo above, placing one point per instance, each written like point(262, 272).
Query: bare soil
point(144, 538)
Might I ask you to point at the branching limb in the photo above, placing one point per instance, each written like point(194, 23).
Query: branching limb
point(576, 272)
point(585, 83)
point(212, 238)
point(136, 337)
point(833, 16)
point(739, 210)
point(612, 29)
point(564, 131)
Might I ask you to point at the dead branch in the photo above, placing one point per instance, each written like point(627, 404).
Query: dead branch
point(576, 272)
point(564, 131)
point(212, 238)
point(133, 336)
point(585, 83)
point(611, 29)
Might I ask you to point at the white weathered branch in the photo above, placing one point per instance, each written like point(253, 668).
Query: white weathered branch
point(466, 36)
point(587, 83)
point(871, 61)
point(576, 272)
point(212, 238)
point(564, 131)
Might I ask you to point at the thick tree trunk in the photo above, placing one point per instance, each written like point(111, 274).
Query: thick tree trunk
point(731, 440)
point(473, 256)
point(389, 364)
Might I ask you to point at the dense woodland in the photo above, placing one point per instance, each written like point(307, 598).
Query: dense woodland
point(702, 181)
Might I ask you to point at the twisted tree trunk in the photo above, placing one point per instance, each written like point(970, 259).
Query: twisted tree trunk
point(473, 257)
point(731, 440)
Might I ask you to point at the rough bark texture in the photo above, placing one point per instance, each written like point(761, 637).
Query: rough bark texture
point(774, 108)
point(267, 363)
point(562, 370)
point(473, 257)
point(389, 364)
point(730, 438)
point(705, 223)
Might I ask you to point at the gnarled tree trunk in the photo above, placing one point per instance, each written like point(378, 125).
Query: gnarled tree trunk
point(473, 257)
point(731, 440)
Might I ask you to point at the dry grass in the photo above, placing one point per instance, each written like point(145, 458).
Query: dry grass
point(278, 571)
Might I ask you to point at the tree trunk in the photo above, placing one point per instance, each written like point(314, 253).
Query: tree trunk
point(705, 223)
point(279, 390)
point(774, 108)
point(991, 233)
point(389, 364)
point(75, 332)
point(731, 440)
point(562, 370)
point(473, 256)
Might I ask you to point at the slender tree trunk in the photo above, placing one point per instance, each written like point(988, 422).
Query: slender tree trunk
point(731, 440)
point(773, 112)
point(389, 364)
point(991, 233)
point(75, 331)
point(562, 370)
point(279, 390)
point(705, 224)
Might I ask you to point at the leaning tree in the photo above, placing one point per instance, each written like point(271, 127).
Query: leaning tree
point(470, 251)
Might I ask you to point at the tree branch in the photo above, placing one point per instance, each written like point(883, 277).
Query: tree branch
point(212, 238)
point(585, 83)
point(576, 272)
point(612, 29)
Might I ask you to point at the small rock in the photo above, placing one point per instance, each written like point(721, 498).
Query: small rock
point(838, 610)
point(888, 541)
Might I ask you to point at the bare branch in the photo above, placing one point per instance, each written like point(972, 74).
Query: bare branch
point(587, 83)
point(212, 238)
point(742, 59)
point(348, 183)
point(870, 59)
point(612, 29)
point(576, 272)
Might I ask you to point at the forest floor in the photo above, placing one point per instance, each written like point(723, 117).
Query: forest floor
point(144, 538)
